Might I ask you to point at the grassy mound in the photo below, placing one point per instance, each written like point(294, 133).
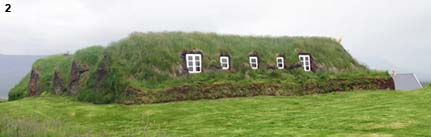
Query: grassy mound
point(146, 63)
point(46, 67)
point(367, 113)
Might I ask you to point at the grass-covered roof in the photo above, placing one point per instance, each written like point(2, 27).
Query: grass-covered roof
point(155, 61)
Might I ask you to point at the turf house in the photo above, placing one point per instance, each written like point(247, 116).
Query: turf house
point(158, 67)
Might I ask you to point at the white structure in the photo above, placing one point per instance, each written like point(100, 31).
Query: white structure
point(224, 62)
point(254, 62)
point(305, 61)
point(194, 63)
point(407, 81)
point(280, 62)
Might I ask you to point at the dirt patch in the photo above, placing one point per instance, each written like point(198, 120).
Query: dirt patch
point(363, 135)
point(228, 90)
point(102, 72)
point(59, 87)
point(394, 125)
point(377, 135)
point(34, 85)
point(76, 72)
point(294, 66)
point(398, 125)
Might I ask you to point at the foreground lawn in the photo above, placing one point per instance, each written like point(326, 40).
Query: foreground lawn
point(368, 113)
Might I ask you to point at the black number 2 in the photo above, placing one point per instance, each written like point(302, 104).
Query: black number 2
point(8, 8)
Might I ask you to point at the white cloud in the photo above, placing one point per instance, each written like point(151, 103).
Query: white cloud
point(396, 31)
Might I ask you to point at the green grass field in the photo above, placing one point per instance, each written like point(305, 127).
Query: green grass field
point(365, 113)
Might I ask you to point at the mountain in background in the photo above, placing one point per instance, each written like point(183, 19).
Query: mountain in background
point(13, 69)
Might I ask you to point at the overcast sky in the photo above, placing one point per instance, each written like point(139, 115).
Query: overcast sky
point(385, 34)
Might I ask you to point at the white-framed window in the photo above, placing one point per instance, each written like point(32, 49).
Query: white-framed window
point(280, 62)
point(224, 62)
point(254, 63)
point(194, 63)
point(306, 63)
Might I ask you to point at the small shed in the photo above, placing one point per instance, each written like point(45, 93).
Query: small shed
point(407, 81)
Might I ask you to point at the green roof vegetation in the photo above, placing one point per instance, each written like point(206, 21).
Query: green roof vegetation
point(153, 62)
point(362, 113)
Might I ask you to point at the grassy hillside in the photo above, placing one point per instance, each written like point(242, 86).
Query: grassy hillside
point(45, 67)
point(147, 64)
point(365, 113)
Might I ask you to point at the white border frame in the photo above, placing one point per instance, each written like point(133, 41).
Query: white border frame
point(194, 66)
point(304, 64)
point(221, 63)
point(282, 62)
point(257, 62)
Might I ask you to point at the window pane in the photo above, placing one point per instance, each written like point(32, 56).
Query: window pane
point(307, 68)
point(190, 68)
point(253, 60)
point(225, 65)
point(253, 65)
point(198, 68)
point(197, 58)
point(306, 58)
point(198, 63)
point(280, 65)
point(280, 60)
point(307, 63)
point(190, 58)
point(223, 60)
point(301, 58)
